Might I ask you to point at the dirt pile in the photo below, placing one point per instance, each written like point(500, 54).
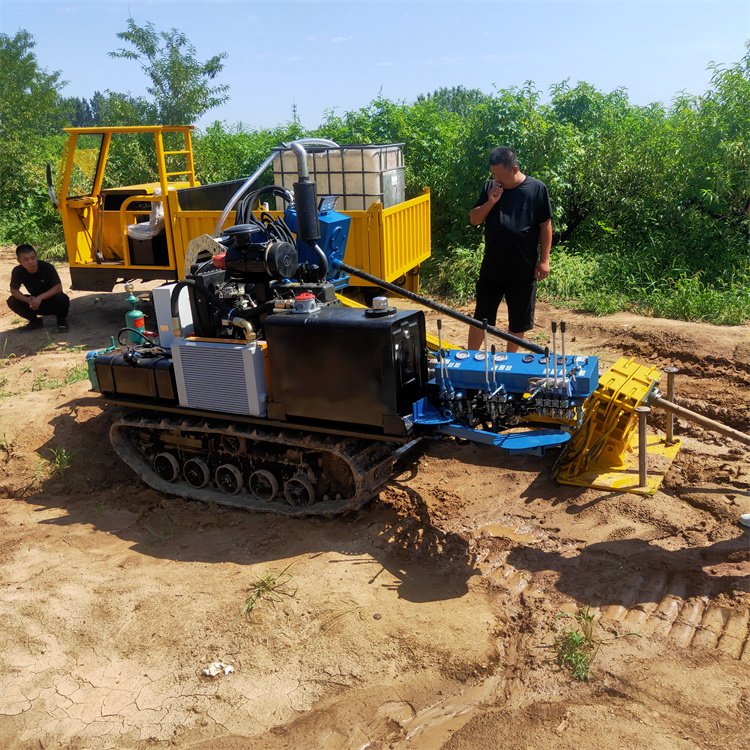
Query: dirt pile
point(427, 620)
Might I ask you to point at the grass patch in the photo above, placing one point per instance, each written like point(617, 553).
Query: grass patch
point(272, 587)
point(76, 374)
point(451, 275)
point(61, 459)
point(576, 647)
point(606, 284)
point(43, 382)
point(55, 253)
point(692, 298)
point(6, 357)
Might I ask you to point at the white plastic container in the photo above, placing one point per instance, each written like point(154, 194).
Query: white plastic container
point(358, 175)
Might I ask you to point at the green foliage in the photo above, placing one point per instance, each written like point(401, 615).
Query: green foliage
point(272, 587)
point(691, 298)
point(576, 647)
point(452, 275)
point(76, 374)
point(61, 459)
point(648, 202)
point(43, 382)
point(30, 121)
point(229, 153)
point(180, 84)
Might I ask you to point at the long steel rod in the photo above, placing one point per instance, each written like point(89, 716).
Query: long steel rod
point(437, 306)
point(671, 372)
point(709, 424)
point(642, 412)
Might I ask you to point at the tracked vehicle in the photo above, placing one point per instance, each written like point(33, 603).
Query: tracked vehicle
point(263, 388)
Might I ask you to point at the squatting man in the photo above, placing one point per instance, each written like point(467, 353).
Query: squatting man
point(45, 295)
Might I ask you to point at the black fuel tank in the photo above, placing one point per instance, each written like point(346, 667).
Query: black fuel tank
point(339, 365)
point(152, 377)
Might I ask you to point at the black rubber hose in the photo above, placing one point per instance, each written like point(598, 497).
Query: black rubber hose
point(323, 260)
point(532, 347)
point(133, 330)
point(210, 296)
point(289, 234)
point(245, 206)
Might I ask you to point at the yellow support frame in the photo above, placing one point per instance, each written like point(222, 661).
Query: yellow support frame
point(82, 215)
point(603, 452)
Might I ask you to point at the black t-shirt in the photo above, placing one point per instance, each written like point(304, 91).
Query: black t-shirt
point(36, 283)
point(511, 229)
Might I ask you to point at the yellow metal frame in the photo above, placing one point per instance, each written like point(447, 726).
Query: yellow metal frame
point(389, 243)
point(84, 221)
point(603, 452)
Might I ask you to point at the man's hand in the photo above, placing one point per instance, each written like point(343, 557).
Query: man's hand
point(34, 302)
point(496, 192)
point(478, 214)
point(542, 270)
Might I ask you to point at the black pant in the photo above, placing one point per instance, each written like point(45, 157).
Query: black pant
point(57, 305)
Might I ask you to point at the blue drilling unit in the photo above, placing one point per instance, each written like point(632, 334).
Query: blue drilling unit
point(261, 389)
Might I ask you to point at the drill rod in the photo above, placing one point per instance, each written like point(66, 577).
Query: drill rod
point(709, 424)
point(437, 306)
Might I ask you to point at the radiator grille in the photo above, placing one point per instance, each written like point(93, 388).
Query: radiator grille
point(220, 377)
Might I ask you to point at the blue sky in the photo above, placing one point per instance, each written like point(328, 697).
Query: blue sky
point(338, 56)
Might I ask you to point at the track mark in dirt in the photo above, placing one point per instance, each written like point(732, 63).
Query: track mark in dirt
point(687, 621)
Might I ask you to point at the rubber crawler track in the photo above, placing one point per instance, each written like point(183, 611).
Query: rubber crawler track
point(369, 462)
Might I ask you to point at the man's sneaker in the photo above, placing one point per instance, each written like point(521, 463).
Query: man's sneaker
point(62, 325)
point(33, 325)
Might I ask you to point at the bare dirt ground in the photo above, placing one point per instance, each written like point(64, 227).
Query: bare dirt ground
point(426, 620)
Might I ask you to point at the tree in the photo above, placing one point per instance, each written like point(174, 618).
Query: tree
point(31, 115)
point(457, 99)
point(29, 95)
point(80, 114)
point(180, 83)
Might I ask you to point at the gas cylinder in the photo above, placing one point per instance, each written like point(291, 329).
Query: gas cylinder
point(134, 319)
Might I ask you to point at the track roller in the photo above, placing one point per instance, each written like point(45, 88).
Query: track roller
point(167, 467)
point(292, 472)
point(299, 492)
point(263, 485)
point(228, 479)
point(196, 472)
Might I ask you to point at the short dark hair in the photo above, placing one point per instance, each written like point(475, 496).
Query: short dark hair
point(22, 249)
point(503, 155)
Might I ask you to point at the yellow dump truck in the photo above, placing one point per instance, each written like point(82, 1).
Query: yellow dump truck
point(116, 232)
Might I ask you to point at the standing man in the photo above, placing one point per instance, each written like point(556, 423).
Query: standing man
point(517, 217)
point(45, 295)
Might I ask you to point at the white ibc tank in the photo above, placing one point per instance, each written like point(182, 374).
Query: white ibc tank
point(358, 175)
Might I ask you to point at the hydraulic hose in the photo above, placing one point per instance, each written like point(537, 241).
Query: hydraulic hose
point(323, 260)
point(174, 300)
point(437, 306)
point(245, 207)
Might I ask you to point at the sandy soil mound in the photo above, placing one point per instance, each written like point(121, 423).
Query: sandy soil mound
point(426, 620)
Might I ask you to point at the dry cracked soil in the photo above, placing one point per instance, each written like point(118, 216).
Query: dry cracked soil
point(426, 620)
